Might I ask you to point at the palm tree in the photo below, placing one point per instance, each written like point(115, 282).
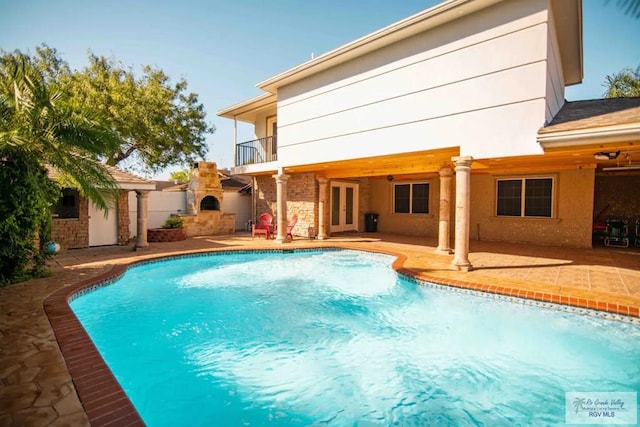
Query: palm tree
point(625, 83)
point(39, 131)
point(36, 120)
point(630, 7)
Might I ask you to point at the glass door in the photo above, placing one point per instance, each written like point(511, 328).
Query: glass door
point(344, 206)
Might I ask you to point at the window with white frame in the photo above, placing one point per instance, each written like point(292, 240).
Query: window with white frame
point(412, 198)
point(525, 197)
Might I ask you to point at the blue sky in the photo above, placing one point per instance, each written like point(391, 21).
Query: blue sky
point(224, 47)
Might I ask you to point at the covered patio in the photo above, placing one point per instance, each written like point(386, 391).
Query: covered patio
point(38, 389)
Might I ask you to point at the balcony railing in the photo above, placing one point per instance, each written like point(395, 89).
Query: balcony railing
point(257, 151)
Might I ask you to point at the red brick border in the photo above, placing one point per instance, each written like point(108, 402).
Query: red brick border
point(106, 403)
point(101, 395)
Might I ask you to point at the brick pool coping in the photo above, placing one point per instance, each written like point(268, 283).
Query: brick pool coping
point(106, 403)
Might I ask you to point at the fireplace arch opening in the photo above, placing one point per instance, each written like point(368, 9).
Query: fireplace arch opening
point(209, 203)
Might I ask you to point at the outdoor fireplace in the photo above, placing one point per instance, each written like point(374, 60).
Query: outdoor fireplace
point(205, 203)
point(209, 203)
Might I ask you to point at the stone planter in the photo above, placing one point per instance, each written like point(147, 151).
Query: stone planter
point(165, 235)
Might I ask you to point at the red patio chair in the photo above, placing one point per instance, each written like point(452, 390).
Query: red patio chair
point(292, 223)
point(264, 225)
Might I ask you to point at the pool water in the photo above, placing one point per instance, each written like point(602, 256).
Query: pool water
point(337, 338)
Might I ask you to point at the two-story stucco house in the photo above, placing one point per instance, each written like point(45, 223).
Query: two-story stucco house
point(451, 122)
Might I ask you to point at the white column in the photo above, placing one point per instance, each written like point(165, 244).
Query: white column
point(444, 218)
point(142, 197)
point(322, 208)
point(463, 200)
point(281, 197)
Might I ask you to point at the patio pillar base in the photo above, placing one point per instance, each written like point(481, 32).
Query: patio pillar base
point(462, 267)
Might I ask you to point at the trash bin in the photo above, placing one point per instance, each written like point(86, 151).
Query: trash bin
point(371, 222)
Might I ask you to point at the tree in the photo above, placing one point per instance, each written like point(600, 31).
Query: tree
point(181, 176)
point(625, 83)
point(160, 123)
point(41, 131)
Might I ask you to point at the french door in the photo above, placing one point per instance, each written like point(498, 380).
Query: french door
point(344, 206)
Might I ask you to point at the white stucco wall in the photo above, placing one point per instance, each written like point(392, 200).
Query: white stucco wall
point(555, 78)
point(161, 205)
point(479, 83)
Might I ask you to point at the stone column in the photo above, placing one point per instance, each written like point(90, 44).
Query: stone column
point(463, 200)
point(142, 197)
point(322, 208)
point(444, 226)
point(281, 197)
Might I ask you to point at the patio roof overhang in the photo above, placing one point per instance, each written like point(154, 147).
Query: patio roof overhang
point(583, 128)
point(248, 110)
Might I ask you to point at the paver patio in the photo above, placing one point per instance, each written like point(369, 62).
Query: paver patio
point(37, 389)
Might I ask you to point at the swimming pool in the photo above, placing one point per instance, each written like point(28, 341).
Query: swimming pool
point(338, 338)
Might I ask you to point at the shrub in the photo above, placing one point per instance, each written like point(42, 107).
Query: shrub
point(173, 222)
point(26, 199)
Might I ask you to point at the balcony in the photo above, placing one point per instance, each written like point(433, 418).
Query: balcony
point(261, 150)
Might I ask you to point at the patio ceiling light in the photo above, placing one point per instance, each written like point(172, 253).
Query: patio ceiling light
point(606, 155)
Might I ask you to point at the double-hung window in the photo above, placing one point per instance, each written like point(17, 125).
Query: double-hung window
point(412, 198)
point(525, 197)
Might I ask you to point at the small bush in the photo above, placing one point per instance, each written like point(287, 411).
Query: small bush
point(173, 222)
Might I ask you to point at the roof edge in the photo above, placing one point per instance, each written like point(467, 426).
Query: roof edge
point(572, 138)
point(247, 105)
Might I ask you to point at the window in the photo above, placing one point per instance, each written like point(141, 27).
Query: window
point(525, 197)
point(68, 205)
point(411, 198)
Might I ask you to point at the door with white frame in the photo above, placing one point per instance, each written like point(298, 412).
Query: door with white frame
point(344, 207)
point(103, 230)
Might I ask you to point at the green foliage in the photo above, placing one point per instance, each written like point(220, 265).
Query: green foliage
point(26, 197)
point(40, 129)
point(173, 222)
point(625, 83)
point(160, 123)
point(181, 177)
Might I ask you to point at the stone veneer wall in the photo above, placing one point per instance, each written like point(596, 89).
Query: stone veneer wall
point(302, 197)
point(72, 233)
point(265, 192)
point(208, 223)
point(123, 217)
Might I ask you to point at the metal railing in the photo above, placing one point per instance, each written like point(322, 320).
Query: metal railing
point(257, 151)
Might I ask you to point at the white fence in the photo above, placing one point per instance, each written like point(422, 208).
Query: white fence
point(164, 203)
point(161, 205)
